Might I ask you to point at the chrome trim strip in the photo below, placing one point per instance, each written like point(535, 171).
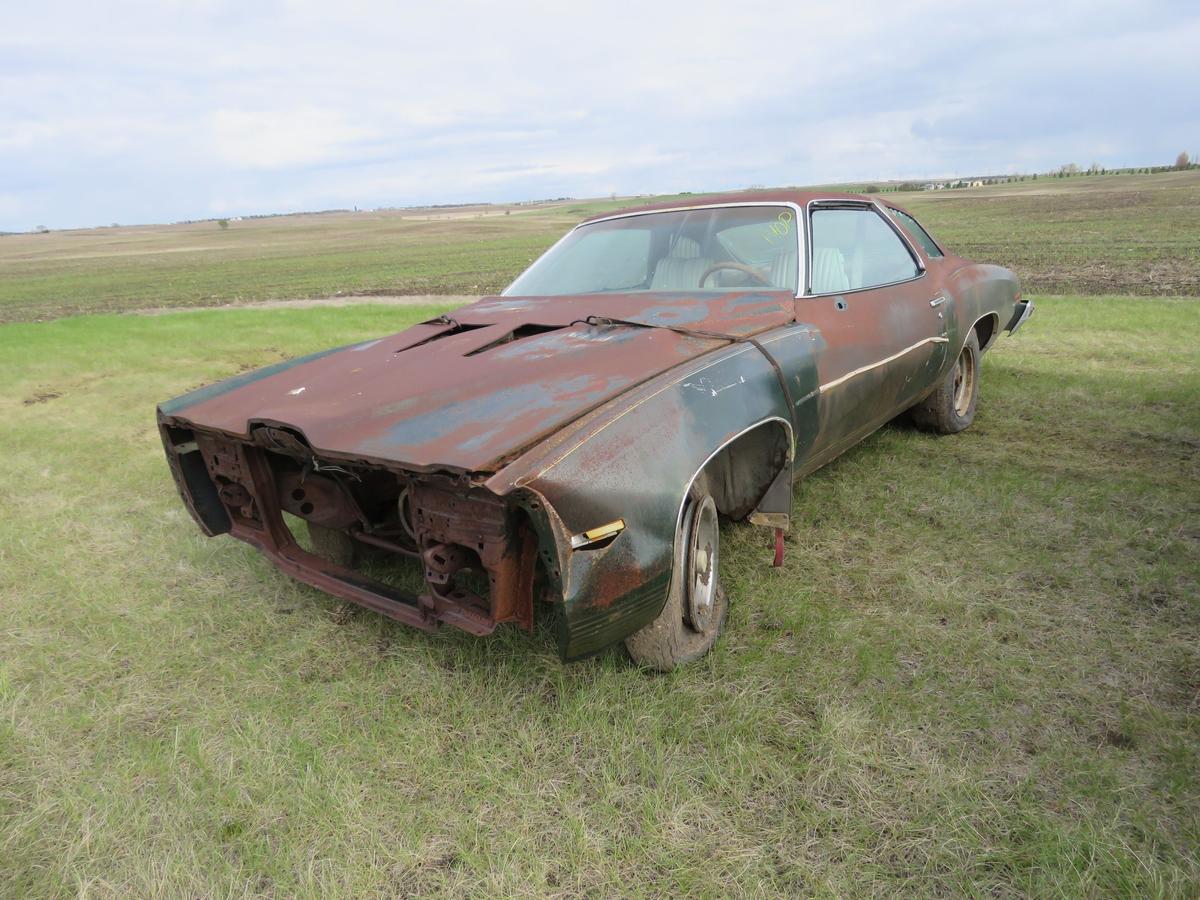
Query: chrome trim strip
point(874, 287)
point(801, 262)
point(883, 362)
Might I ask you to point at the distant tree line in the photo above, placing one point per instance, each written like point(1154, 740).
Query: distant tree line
point(1182, 161)
point(1068, 170)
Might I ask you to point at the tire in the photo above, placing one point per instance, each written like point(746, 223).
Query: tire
point(951, 407)
point(696, 609)
point(331, 544)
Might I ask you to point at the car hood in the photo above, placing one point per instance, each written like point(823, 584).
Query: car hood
point(467, 391)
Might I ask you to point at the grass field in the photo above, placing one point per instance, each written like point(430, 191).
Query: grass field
point(977, 672)
point(1116, 234)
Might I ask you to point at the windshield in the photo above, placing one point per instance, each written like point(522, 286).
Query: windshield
point(725, 249)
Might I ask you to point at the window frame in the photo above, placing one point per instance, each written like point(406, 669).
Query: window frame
point(867, 206)
point(925, 231)
point(800, 220)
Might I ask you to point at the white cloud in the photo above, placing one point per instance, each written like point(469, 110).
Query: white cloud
point(280, 139)
point(187, 106)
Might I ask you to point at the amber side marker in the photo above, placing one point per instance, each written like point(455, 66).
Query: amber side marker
point(598, 534)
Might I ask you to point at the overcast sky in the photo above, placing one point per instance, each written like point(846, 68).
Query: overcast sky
point(179, 109)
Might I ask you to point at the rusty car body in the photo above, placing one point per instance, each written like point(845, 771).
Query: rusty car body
point(570, 450)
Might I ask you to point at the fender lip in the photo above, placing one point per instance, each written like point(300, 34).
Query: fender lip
point(1024, 309)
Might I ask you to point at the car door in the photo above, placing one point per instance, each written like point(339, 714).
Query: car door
point(880, 317)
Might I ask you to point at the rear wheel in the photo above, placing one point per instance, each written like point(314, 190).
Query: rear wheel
point(696, 608)
point(951, 407)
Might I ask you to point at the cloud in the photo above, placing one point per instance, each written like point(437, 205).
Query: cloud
point(285, 138)
point(164, 111)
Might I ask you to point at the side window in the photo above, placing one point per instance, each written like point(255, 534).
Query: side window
point(920, 235)
point(855, 248)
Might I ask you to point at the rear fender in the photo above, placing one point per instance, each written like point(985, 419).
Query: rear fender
point(984, 297)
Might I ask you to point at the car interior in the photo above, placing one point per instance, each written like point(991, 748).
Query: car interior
point(740, 248)
point(752, 264)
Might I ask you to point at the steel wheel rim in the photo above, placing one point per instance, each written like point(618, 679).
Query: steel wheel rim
point(964, 381)
point(701, 566)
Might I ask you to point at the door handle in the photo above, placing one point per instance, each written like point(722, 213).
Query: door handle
point(937, 301)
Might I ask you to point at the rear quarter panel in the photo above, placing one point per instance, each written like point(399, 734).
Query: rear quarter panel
point(979, 291)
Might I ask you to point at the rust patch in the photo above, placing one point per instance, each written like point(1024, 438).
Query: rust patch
point(463, 393)
point(455, 529)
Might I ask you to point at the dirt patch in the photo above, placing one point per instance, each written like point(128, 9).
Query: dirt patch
point(43, 397)
point(1164, 277)
point(308, 302)
point(1119, 739)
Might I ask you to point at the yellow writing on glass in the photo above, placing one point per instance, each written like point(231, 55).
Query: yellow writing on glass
point(781, 227)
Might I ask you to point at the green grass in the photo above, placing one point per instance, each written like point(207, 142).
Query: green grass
point(100, 270)
point(977, 672)
point(1122, 234)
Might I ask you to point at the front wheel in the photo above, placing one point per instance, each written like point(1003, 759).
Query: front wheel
point(694, 614)
point(951, 407)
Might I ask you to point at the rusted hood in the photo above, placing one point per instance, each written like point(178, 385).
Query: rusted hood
point(466, 392)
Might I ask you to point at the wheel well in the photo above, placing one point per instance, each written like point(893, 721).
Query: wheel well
point(739, 474)
point(986, 329)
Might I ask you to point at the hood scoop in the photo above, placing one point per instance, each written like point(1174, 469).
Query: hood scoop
point(527, 330)
point(455, 327)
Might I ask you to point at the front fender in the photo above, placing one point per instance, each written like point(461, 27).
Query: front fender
point(635, 459)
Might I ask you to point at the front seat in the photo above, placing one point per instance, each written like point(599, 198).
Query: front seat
point(681, 268)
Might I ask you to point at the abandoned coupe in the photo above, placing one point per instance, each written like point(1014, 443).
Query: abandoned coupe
point(571, 446)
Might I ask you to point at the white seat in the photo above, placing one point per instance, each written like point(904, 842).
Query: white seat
point(783, 272)
point(675, 274)
point(829, 271)
point(854, 268)
point(680, 270)
point(685, 248)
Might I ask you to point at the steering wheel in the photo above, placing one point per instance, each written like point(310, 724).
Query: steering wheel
point(741, 267)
